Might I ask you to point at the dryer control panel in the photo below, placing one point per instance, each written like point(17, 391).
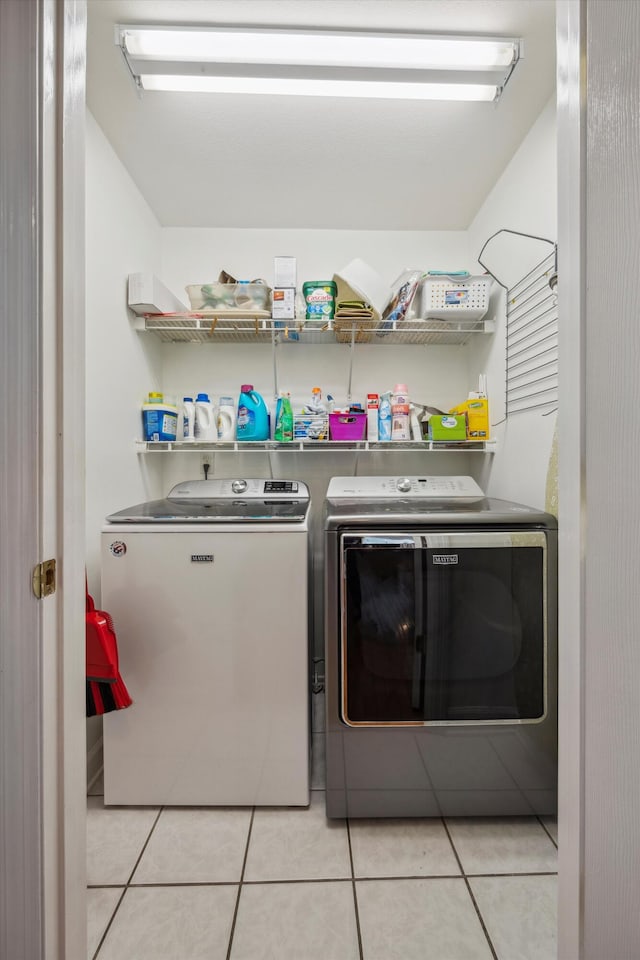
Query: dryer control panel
point(376, 488)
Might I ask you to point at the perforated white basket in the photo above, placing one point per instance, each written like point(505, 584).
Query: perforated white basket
point(448, 298)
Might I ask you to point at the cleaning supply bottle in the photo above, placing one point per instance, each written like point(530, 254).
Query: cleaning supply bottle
point(253, 415)
point(226, 419)
point(384, 416)
point(316, 406)
point(284, 419)
point(159, 419)
point(205, 421)
point(400, 413)
point(188, 418)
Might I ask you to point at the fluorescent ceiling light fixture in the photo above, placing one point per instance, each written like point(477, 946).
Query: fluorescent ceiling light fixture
point(320, 88)
point(317, 63)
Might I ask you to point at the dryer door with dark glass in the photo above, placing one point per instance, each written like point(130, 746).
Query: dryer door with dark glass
point(443, 627)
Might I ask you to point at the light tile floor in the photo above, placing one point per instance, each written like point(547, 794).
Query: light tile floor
point(288, 884)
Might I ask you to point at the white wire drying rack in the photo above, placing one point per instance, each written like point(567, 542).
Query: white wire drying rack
point(532, 342)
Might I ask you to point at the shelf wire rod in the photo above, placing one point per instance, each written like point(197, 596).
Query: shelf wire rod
point(515, 343)
point(541, 285)
point(536, 393)
point(526, 383)
point(351, 356)
point(536, 406)
point(274, 344)
point(541, 294)
point(530, 346)
point(538, 356)
point(537, 271)
point(538, 306)
point(511, 333)
point(530, 383)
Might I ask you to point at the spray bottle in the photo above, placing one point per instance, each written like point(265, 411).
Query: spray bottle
point(284, 419)
point(384, 416)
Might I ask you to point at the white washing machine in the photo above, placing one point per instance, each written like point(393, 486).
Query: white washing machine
point(208, 591)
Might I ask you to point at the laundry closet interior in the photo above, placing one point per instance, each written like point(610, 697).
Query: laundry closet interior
point(183, 186)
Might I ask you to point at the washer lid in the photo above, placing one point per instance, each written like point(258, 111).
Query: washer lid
point(216, 501)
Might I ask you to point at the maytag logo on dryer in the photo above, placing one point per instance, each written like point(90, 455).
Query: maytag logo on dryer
point(445, 559)
point(201, 558)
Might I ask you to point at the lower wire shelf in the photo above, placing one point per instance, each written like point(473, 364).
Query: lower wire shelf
point(306, 446)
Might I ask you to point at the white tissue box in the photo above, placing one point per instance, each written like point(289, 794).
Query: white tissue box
point(145, 294)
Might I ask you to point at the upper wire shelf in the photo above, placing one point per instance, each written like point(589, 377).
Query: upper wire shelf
point(260, 328)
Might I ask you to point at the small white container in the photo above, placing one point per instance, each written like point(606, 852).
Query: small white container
point(188, 418)
point(206, 427)
point(226, 422)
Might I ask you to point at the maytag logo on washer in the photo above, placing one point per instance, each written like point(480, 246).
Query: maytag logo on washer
point(118, 548)
point(201, 558)
point(445, 558)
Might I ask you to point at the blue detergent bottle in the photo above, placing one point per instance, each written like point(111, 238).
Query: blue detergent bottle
point(253, 416)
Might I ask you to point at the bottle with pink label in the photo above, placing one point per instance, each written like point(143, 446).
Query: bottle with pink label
point(400, 413)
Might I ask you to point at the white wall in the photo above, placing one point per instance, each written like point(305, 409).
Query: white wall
point(525, 199)
point(123, 237)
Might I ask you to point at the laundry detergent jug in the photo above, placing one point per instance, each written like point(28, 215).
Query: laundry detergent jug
point(253, 415)
point(206, 425)
point(226, 419)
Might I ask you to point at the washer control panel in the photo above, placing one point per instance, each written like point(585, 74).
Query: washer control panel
point(432, 488)
point(239, 486)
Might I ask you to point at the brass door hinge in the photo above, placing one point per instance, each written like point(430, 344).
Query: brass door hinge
point(43, 580)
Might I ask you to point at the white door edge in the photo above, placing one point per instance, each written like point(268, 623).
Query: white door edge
point(571, 39)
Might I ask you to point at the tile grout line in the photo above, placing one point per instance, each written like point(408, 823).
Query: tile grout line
point(548, 832)
point(244, 865)
point(111, 919)
point(355, 893)
point(280, 880)
point(470, 891)
point(126, 886)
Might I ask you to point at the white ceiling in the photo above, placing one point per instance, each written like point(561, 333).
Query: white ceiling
point(260, 161)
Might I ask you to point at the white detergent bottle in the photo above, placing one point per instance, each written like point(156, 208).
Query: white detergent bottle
point(188, 418)
point(226, 419)
point(206, 426)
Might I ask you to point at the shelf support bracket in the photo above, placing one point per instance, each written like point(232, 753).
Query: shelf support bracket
point(351, 356)
point(274, 345)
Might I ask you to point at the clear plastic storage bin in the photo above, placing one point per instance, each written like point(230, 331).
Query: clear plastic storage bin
point(237, 297)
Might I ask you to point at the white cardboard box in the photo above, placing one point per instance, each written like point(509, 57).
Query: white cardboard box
point(146, 294)
point(284, 272)
point(283, 303)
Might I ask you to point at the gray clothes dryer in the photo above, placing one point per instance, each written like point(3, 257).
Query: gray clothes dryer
point(441, 651)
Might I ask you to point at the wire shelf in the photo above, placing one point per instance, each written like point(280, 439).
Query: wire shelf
point(259, 327)
point(306, 446)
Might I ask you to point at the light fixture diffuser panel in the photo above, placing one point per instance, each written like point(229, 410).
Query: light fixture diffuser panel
point(317, 63)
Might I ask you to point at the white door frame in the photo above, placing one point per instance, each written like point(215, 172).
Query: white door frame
point(42, 749)
point(42, 711)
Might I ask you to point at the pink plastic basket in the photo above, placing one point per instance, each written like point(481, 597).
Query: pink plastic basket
point(347, 426)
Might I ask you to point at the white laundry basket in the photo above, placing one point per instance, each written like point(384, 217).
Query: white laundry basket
point(449, 298)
